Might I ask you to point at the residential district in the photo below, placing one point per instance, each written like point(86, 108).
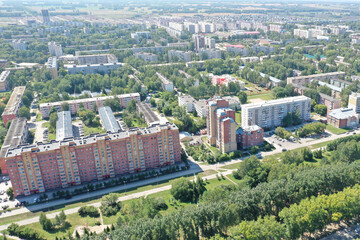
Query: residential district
point(179, 120)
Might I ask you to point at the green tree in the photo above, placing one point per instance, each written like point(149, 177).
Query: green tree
point(182, 190)
point(10, 193)
point(52, 120)
point(24, 112)
point(320, 109)
point(242, 97)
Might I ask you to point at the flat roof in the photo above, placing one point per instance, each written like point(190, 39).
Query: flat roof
point(64, 126)
point(4, 75)
point(108, 119)
point(275, 102)
point(13, 136)
point(342, 113)
point(236, 46)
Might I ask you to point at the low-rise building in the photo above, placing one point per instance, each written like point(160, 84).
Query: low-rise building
point(343, 118)
point(165, 83)
point(147, 57)
point(87, 103)
point(180, 55)
point(108, 120)
point(237, 49)
point(64, 128)
point(234, 102)
point(3, 80)
point(17, 135)
point(187, 101)
point(225, 80)
point(209, 54)
point(250, 136)
point(92, 68)
point(51, 65)
point(96, 59)
point(306, 80)
point(13, 105)
point(201, 108)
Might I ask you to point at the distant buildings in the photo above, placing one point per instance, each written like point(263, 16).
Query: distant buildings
point(165, 83)
point(237, 49)
point(3, 80)
point(269, 114)
point(225, 80)
point(92, 68)
point(139, 35)
point(310, 33)
point(96, 59)
point(87, 103)
point(45, 16)
point(263, 49)
point(209, 54)
point(221, 126)
point(51, 65)
point(180, 55)
point(306, 80)
point(19, 44)
point(203, 42)
point(55, 49)
point(147, 57)
point(12, 107)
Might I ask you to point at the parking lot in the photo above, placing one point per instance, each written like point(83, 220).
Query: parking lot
point(5, 203)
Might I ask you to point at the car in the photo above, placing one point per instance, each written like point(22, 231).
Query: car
point(35, 200)
point(5, 200)
point(284, 149)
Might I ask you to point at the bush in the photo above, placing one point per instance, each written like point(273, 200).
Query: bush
point(90, 211)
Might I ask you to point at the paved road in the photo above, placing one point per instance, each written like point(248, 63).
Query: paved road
point(97, 204)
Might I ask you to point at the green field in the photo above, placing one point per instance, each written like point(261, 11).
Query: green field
point(335, 130)
point(92, 130)
point(264, 96)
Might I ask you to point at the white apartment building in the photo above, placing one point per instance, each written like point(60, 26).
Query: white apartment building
point(165, 83)
point(55, 49)
point(354, 102)
point(201, 108)
point(275, 28)
point(147, 57)
point(183, 56)
point(139, 35)
point(187, 101)
point(3, 80)
point(96, 59)
point(264, 49)
point(92, 69)
point(269, 114)
point(19, 44)
point(209, 54)
point(51, 65)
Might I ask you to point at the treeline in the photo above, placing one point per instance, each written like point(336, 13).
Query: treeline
point(208, 219)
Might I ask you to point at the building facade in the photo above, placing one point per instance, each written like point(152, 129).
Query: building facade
point(181, 55)
point(249, 136)
point(87, 103)
point(343, 118)
point(55, 49)
point(19, 44)
point(3, 80)
point(147, 57)
point(51, 65)
point(165, 83)
point(60, 164)
point(269, 114)
point(102, 68)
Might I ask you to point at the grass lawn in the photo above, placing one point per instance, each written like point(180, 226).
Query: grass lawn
point(92, 130)
point(38, 117)
point(51, 136)
point(263, 96)
point(46, 125)
point(73, 219)
point(238, 117)
point(136, 123)
point(232, 166)
point(335, 130)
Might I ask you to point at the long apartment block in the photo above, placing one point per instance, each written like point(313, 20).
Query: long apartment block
point(12, 107)
point(60, 164)
point(305, 80)
point(87, 103)
point(269, 114)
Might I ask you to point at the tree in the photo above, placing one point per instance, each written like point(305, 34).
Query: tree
point(45, 222)
point(52, 120)
point(10, 193)
point(109, 205)
point(320, 109)
point(24, 112)
point(182, 190)
point(65, 106)
point(199, 188)
point(242, 97)
point(62, 217)
point(131, 107)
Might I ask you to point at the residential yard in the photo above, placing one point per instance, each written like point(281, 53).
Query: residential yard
point(263, 96)
point(238, 117)
point(92, 130)
point(335, 130)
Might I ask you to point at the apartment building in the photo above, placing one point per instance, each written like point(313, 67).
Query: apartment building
point(147, 57)
point(234, 102)
point(275, 28)
point(221, 126)
point(60, 164)
point(269, 114)
point(237, 49)
point(306, 80)
point(180, 55)
point(103, 68)
point(16, 135)
point(64, 127)
point(45, 16)
point(3, 80)
point(354, 102)
point(165, 83)
point(209, 54)
point(87, 103)
point(151, 117)
point(96, 59)
point(249, 136)
point(19, 44)
point(201, 108)
point(187, 101)
point(51, 65)
point(12, 107)
point(139, 35)
point(202, 41)
point(225, 79)
point(108, 120)
point(263, 49)
point(55, 49)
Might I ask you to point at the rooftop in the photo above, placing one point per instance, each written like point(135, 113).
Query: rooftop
point(4, 75)
point(275, 102)
point(108, 119)
point(342, 113)
point(64, 126)
point(236, 46)
point(15, 100)
point(13, 137)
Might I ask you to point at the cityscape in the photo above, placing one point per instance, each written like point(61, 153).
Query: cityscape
point(179, 120)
